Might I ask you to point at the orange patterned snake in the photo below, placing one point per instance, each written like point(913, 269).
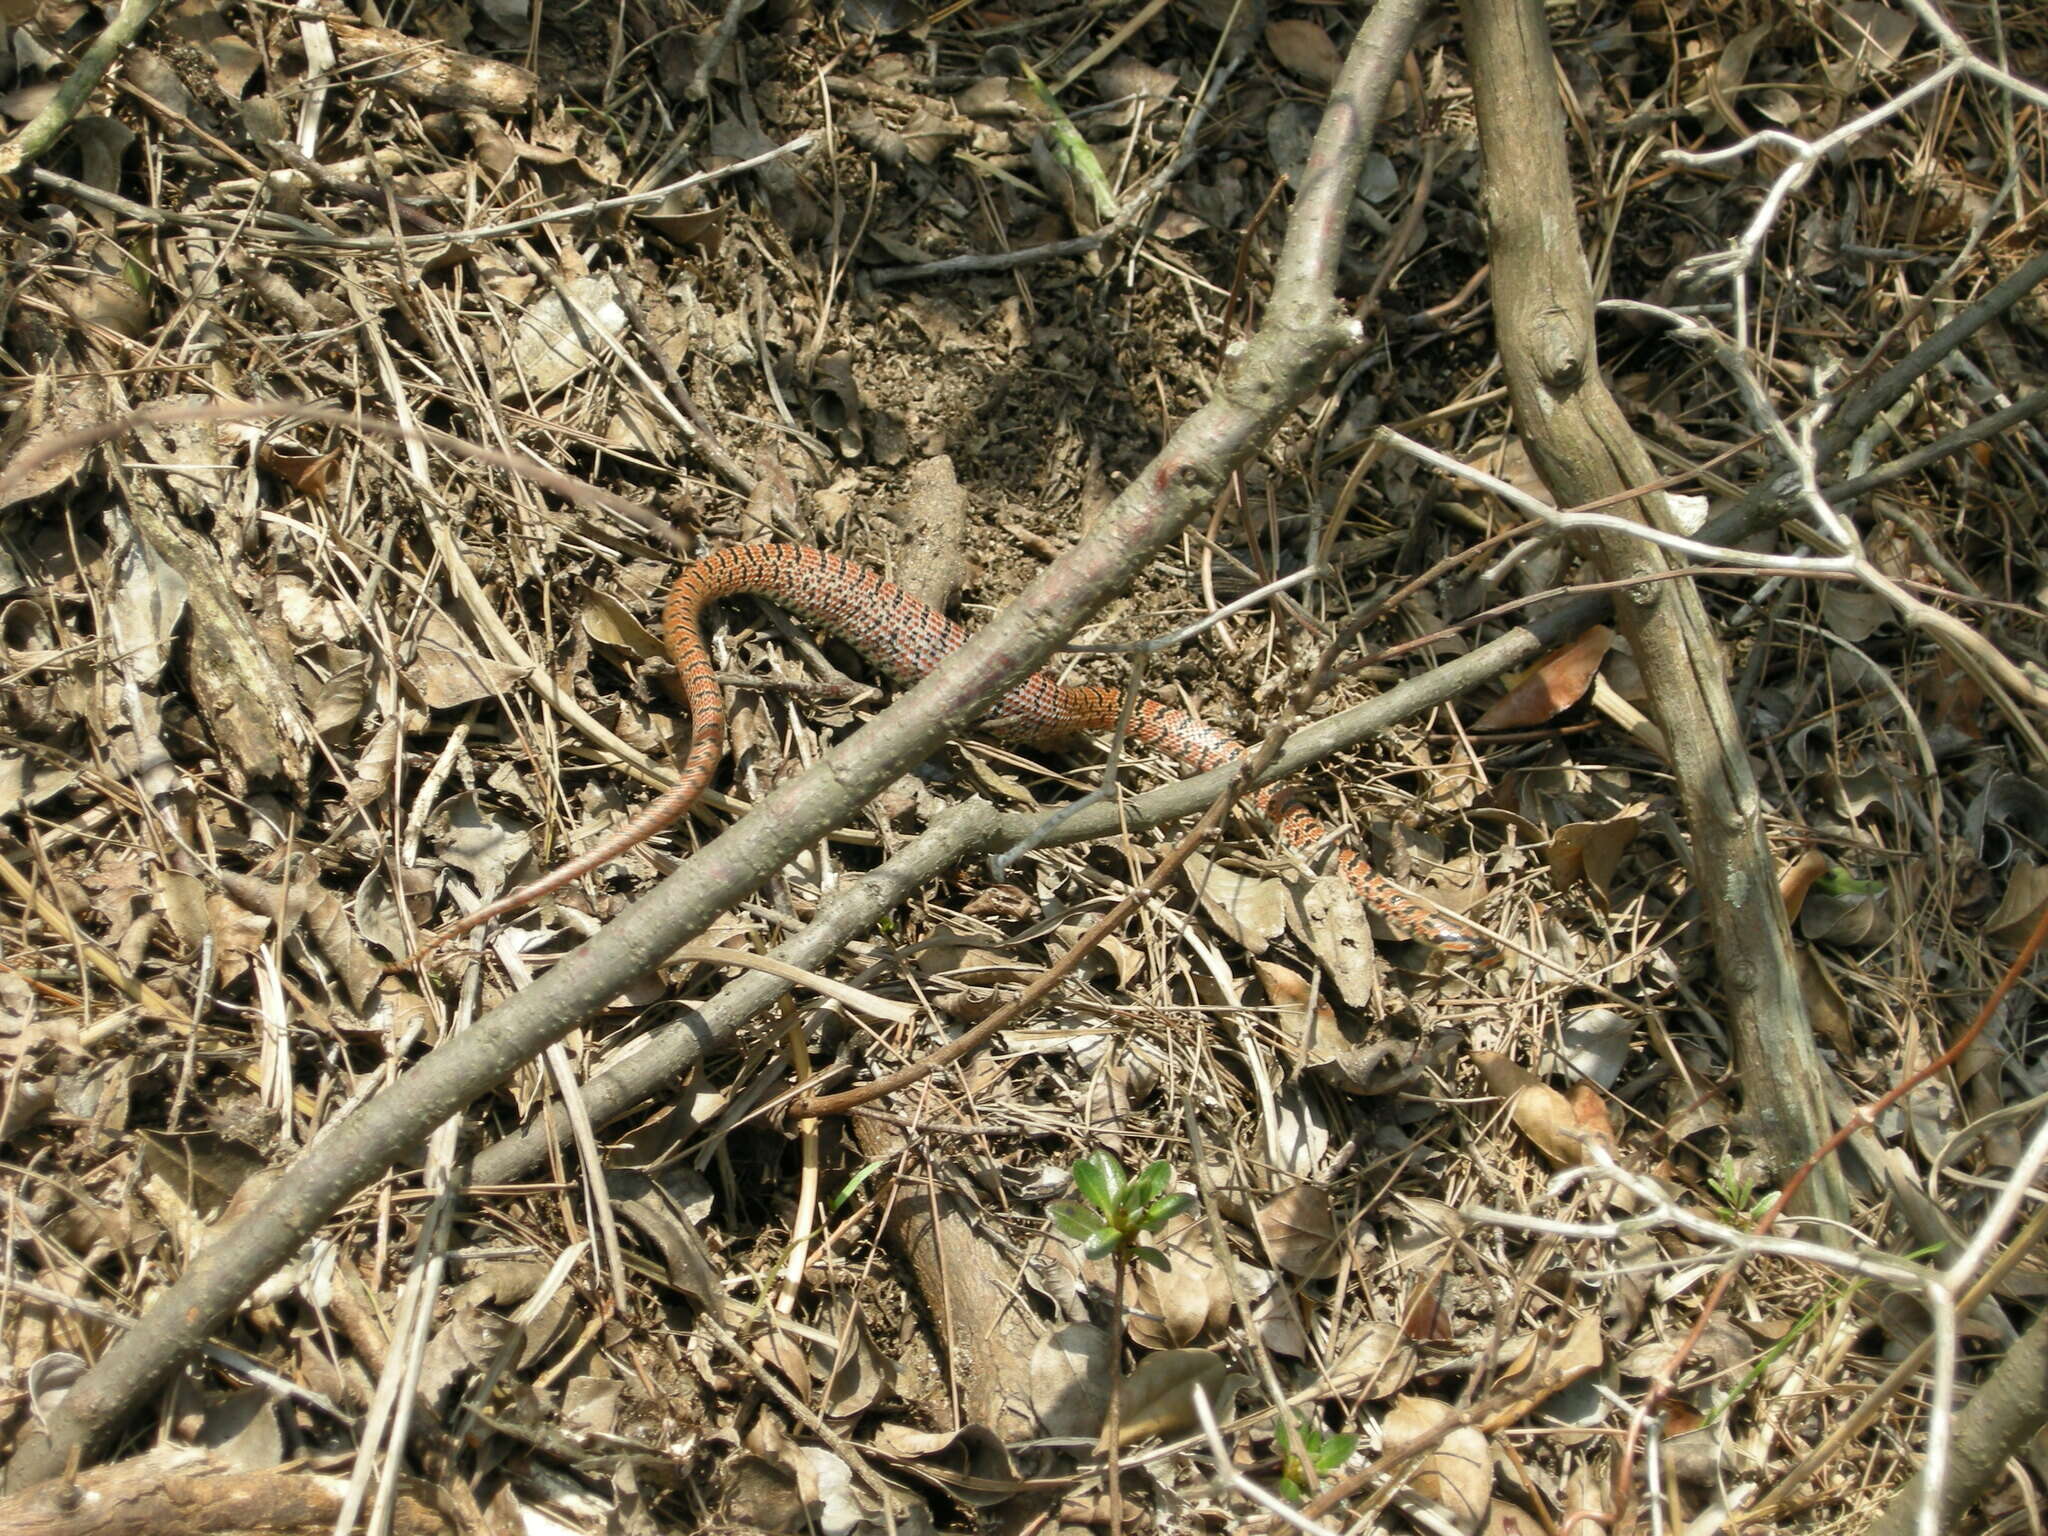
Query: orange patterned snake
point(906, 638)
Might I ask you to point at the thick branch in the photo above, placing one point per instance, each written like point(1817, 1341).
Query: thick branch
point(973, 829)
point(1263, 382)
point(2006, 1412)
point(1582, 446)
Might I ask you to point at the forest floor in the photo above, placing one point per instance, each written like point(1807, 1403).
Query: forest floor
point(285, 694)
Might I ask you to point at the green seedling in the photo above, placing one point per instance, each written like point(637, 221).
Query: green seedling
point(1743, 1202)
point(1319, 1448)
point(1119, 1210)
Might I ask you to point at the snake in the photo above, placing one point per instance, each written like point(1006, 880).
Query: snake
point(904, 637)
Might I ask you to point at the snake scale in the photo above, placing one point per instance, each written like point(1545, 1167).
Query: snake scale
point(904, 637)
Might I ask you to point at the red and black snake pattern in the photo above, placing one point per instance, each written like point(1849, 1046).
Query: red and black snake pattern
point(904, 637)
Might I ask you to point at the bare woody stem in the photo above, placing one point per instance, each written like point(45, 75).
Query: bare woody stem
point(1263, 382)
point(1584, 449)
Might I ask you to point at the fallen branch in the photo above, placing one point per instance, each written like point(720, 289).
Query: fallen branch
point(1262, 383)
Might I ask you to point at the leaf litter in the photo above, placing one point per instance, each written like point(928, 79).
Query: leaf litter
point(281, 697)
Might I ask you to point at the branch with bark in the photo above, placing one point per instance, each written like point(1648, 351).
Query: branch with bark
point(1585, 451)
point(1264, 380)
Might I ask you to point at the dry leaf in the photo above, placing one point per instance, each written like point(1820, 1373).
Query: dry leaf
point(447, 671)
point(1299, 1229)
point(610, 623)
point(1427, 1321)
point(758, 1494)
point(1158, 1397)
point(970, 1463)
point(1853, 917)
point(1112, 953)
point(1589, 1486)
point(1825, 1005)
point(555, 341)
point(1552, 686)
point(1376, 1363)
point(306, 473)
point(1721, 1346)
point(1951, 700)
point(1388, 1066)
point(151, 598)
point(1306, 1020)
point(1593, 1045)
point(2019, 908)
point(1851, 795)
point(591, 1404)
point(337, 703)
point(107, 300)
point(1502, 1075)
point(1136, 86)
point(183, 900)
point(1544, 1366)
point(855, 1375)
point(1300, 1134)
point(485, 844)
point(785, 1352)
point(203, 26)
point(1457, 1472)
point(1583, 1349)
point(1731, 70)
point(1798, 879)
point(1538, 1111)
point(1276, 1318)
point(1589, 1113)
point(1853, 613)
point(1304, 49)
point(953, 957)
point(1128, 959)
point(1185, 1302)
point(835, 405)
point(1333, 923)
point(1070, 1380)
point(685, 227)
point(1545, 1116)
point(1876, 34)
point(669, 1215)
point(1250, 908)
point(1591, 851)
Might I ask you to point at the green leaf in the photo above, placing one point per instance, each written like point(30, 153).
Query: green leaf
point(1075, 1220)
point(1292, 1491)
point(860, 1177)
point(1100, 1178)
point(1163, 1211)
point(1334, 1451)
point(1148, 1185)
point(135, 274)
point(1102, 1244)
point(1152, 1256)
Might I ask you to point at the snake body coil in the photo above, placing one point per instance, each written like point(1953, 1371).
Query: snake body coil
point(904, 637)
